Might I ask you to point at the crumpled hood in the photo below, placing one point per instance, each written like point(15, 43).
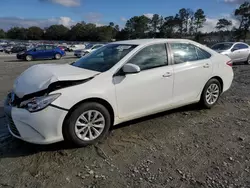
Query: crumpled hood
point(39, 77)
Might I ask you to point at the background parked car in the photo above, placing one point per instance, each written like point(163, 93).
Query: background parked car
point(7, 49)
point(42, 52)
point(15, 49)
point(76, 47)
point(89, 48)
point(238, 51)
point(62, 47)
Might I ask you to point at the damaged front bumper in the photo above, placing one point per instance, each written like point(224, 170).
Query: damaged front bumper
point(43, 127)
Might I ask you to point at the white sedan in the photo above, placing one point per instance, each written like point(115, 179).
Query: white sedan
point(118, 82)
point(89, 49)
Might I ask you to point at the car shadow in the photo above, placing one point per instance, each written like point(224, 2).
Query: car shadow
point(240, 63)
point(12, 61)
point(184, 109)
point(70, 57)
point(11, 147)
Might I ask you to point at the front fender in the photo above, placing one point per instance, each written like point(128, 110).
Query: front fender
point(95, 88)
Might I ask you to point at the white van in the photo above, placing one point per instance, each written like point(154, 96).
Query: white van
point(76, 47)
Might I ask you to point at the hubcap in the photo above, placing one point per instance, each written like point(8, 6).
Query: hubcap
point(57, 56)
point(89, 125)
point(28, 58)
point(212, 93)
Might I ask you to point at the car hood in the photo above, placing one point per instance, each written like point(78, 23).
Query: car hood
point(39, 77)
point(22, 52)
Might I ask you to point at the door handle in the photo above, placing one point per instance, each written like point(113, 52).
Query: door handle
point(206, 65)
point(167, 74)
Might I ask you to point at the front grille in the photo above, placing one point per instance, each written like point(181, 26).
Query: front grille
point(12, 126)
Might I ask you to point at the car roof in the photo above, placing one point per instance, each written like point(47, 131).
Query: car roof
point(149, 41)
point(232, 43)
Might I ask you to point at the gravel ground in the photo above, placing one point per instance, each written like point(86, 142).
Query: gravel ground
point(187, 147)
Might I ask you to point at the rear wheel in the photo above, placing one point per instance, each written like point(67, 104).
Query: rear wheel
point(29, 58)
point(248, 61)
point(211, 93)
point(87, 124)
point(58, 56)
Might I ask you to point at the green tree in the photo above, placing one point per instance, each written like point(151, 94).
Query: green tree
point(243, 15)
point(56, 32)
point(183, 20)
point(123, 35)
point(190, 24)
point(169, 27)
point(2, 34)
point(111, 24)
point(77, 32)
point(223, 24)
point(199, 19)
point(104, 33)
point(138, 26)
point(117, 28)
point(155, 23)
point(17, 33)
point(90, 32)
point(35, 33)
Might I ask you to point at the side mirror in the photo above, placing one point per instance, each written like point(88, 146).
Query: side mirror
point(34, 49)
point(234, 49)
point(131, 68)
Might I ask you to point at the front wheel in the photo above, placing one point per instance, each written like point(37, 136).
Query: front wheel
point(28, 58)
point(58, 56)
point(87, 124)
point(248, 61)
point(211, 93)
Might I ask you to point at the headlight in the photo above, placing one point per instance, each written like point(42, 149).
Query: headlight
point(38, 103)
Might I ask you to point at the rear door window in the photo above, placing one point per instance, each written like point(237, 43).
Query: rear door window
point(184, 52)
point(39, 48)
point(50, 47)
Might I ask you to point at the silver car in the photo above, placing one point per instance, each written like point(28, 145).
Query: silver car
point(237, 51)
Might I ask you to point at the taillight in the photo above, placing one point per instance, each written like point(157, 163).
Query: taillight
point(230, 63)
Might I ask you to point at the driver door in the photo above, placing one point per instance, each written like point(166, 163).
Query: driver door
point(150, 90)
point(39, 52)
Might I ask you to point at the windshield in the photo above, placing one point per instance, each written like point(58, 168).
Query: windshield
point(89, 46)
point(222, 46)
point(104, 58)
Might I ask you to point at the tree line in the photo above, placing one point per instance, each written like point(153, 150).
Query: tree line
point(187, 23)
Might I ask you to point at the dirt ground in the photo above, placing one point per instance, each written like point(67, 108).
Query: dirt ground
point(187, 147)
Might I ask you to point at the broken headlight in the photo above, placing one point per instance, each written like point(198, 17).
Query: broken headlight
point(38, 103)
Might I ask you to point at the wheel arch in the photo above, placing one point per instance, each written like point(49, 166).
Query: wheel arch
point(101, 101)
point(214, 77)
point(220, 80)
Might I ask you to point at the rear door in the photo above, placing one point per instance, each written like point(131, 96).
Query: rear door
point(192, 69)
point(49, 51)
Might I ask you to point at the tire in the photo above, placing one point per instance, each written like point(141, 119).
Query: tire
point(29, 58)
point(212, 89)
point(58, 56)
point(83, 138)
